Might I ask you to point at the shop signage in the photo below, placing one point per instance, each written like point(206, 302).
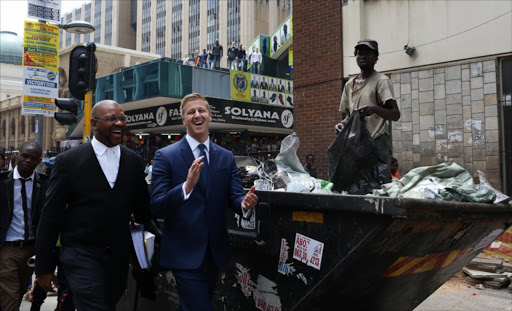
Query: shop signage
point(223, 111)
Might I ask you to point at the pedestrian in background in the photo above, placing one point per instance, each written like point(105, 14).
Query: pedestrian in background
point(95, 188)
point(22, 195)
point(2, 160)
point(240, 59)
point(256, 60)
point(310, 165)
point(203, 59)
point(217, 52)
point(194, 180)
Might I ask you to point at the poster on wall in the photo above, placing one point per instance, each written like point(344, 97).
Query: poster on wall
point(280, 39)
point(261, 89)
point(40, 68)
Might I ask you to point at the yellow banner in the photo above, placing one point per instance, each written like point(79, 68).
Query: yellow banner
point(41, 45)
point(38, 99)
point(240, 88)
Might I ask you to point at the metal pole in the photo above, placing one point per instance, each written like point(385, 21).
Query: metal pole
point(39, 129)
point(87, 117)
point(91, 47)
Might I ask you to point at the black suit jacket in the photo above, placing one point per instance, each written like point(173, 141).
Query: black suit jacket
point(86, 211)
point(7, 201)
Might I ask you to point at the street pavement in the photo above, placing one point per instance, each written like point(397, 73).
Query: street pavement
point(454, 295)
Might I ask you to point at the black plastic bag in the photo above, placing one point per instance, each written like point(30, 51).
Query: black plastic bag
point(355, 165)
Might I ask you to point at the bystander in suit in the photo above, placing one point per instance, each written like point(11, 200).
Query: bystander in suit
point(95, 188)
point(22, 195)
point(194, 180)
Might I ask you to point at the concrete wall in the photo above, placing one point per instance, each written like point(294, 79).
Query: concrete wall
point(441, 30)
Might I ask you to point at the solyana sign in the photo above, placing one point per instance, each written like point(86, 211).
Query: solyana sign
point(223, 111)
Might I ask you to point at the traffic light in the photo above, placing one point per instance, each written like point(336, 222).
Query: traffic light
point(67, 104)
point(82, 70)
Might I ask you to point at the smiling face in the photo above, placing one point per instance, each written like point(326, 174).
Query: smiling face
point(107, 132)
point(196, 118)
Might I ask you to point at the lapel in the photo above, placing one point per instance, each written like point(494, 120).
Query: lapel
point(186, 153)
point(9, 183)
point(35, 193)
point(122, 167)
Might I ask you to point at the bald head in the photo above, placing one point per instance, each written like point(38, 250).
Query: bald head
point(108, 122)
point(98, 109)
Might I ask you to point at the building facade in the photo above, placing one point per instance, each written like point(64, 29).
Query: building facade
point(453, 90)
point(178, 27)
point(115, 23)
point(16, 128)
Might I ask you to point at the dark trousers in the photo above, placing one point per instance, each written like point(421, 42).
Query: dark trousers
point(64, 294)
point(96, 277)
point(196, 287)
point(15, 275)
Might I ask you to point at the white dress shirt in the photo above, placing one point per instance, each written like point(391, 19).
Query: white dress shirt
point(194, 145)
point(109, 159)
point(17, 229)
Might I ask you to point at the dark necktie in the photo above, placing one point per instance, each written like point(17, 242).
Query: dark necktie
point(203, 178)
point(25, 207)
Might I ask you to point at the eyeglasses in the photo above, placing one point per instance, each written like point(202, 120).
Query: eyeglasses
point(112, 119)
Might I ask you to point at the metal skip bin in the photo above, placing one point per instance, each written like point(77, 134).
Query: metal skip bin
point(346, 252)
point(343, 252)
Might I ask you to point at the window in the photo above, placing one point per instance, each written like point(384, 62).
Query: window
point(160, 27)
point(193, 29)
point(87, 36)
point(176, 29)
point(213, 23)
point(68, 34)
point(344, 2)
point(4, 128)
point(97, 21)
point(233, 29)
point(22, 125)
point(505, 104)
point(146, 25)
point(108, 22)
point(13, 127)
point(78, 17)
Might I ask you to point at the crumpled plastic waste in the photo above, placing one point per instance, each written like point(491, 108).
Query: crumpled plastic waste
point(445, 182)
point(285, 172)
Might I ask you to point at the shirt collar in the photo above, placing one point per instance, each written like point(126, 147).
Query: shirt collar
point(16, 174)
point(194, 143)
point(100, 148)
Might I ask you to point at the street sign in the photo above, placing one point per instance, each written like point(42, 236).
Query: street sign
point(47, 10)
point(40, 68)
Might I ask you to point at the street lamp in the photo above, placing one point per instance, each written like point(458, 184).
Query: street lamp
point(78, 27)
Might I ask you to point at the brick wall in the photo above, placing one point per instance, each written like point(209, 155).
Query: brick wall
point(317, 64)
